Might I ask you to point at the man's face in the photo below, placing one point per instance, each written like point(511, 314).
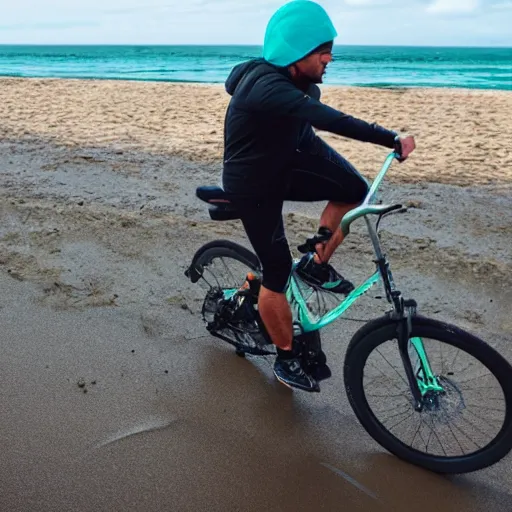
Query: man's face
point(313, 66)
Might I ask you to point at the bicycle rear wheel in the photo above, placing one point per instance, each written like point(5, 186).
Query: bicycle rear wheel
point(465, 428)
point(222, 267)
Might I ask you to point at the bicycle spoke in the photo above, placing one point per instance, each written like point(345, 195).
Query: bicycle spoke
point(214, 277)
point(485, 407)
point(457, 439)
point(223, 274)
point(484, 402)
point(392, 384)
point(406, 410)
point(388, 396)
point(384, 375)
point(396, 371)
point(394, 406)
point(466, 435)
point(455, 358)
point(450, 424)
point(484, 419)
point(479, 389)
point(433, 429)
point(229, 271)
point(442, 359)
point(428, 441)
point(417, 430)
point(400, 422)
point(206, 281)
point(473, 425)
point(421, 435)
point(464, 369)
point(487, 398)
point(473, 378)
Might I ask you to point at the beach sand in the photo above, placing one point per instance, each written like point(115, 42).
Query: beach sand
point(113, 395)
point(463, 136)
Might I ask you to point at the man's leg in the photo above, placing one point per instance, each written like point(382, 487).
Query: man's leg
point(264, 226)
point(277, 317)
point(331, 219)
point(320, 173)
point(327, 174)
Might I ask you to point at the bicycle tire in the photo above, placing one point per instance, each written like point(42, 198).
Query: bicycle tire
point(376, 332)
point(218, 248)
point(244, 341)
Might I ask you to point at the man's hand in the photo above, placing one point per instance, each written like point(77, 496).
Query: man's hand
point(407, 146)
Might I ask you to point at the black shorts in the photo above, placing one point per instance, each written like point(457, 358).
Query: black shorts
point(318, 173)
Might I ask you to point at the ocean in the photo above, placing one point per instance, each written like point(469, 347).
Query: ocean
point(363, 66)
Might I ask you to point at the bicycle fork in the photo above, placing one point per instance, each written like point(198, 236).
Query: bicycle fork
point(404, 329)
point(421, 379)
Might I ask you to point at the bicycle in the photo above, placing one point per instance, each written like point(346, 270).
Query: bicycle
point(429, 397)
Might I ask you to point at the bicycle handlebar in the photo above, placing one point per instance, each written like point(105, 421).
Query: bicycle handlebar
point(378, 180)
point(366, 207)
point(398, 148)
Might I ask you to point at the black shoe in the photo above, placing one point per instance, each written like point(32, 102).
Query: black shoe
point(322, 275)
point(314, 360)
point(291, 373)
point(319, 371)
point(316, 366)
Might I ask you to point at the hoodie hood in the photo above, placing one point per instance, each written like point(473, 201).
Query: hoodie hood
point(242, 70)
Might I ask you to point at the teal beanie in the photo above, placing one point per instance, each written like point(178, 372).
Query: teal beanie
point(295, 30)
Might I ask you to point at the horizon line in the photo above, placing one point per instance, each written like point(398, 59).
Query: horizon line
point(254, 45)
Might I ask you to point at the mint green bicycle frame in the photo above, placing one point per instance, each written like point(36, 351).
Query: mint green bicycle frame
point(304, 321)
point(293, 293)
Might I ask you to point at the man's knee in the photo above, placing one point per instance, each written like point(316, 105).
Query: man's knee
point(362, 192)
point(354, 196)
point(356, 190)
point(276, 274)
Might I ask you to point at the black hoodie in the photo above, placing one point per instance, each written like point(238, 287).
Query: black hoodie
point(264, 121)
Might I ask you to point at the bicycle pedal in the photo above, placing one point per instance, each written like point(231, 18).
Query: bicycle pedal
point(323, 236)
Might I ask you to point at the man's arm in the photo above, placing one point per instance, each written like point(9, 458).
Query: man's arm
point(279, 96)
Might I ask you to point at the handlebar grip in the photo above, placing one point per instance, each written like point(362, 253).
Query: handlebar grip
point(398, 148)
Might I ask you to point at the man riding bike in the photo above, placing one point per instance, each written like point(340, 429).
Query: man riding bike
point(272, 155)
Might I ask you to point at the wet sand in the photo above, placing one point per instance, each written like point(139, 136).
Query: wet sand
point(215, 433)
point(115, 398)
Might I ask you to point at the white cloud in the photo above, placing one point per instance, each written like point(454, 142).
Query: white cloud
point(62, 25)
point(367, 3)
point(503, 6)
point(453, 6)
point(395, 22)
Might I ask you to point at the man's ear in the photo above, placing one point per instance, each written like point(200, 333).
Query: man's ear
point(294, 71)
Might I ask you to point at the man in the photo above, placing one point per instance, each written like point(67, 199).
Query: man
point(272, 154)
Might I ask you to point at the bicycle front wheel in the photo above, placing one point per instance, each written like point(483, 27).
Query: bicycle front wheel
point(465, 427)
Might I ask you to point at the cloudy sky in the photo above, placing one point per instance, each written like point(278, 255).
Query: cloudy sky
point(408, 22)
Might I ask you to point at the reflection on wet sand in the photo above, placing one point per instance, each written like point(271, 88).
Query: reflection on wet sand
point(183, 425)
